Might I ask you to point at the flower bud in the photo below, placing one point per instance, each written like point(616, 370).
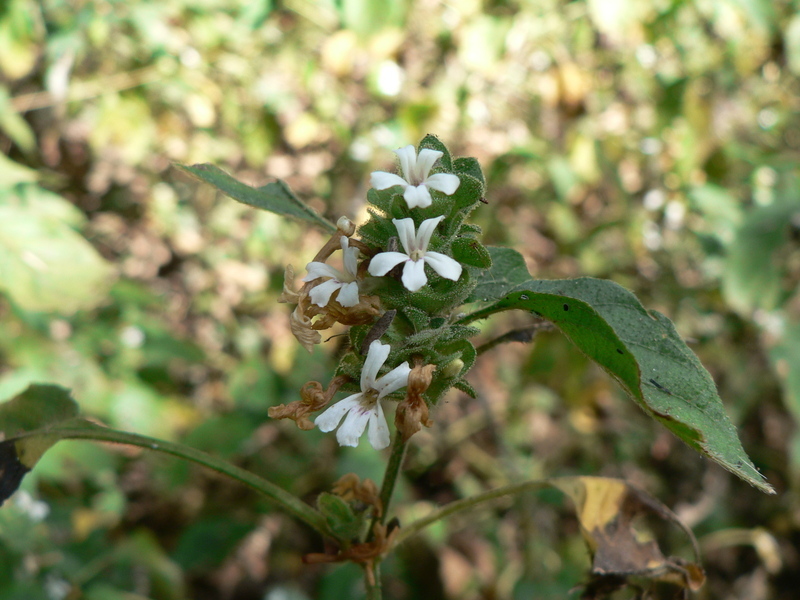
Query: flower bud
point(346, 226)
point(453, 368)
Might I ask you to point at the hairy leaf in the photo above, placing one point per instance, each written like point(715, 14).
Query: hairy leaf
point(642, 350)
point(275, 197)
point(507, 271)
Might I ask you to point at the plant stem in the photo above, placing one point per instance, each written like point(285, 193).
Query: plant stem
point(291, 504)
point(466, 504)
point(392, 471)
point(372, 579)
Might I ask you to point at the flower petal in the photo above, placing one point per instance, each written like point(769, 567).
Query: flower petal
point(328, 420)
point(417, 196)
point(425, 231)
point(354, 425)
point(350, 259)
point(376, 356)
point(381, 180)
point(378, 433)
point(408, 162)
point(425, 162)
point(446, 183)
point(384, 262)
point(319, 269)
point(414, 275)
point(348, 295)
point(406, 233)
point(321, 294)
point(443, 265)
point(393, 380)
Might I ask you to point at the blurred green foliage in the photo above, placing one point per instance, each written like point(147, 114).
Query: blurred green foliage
point(652, 143)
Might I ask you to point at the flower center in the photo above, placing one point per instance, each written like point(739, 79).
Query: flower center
point(369, 398)
point(416, 255)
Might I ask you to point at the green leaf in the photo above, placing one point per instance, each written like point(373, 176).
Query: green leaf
point(507, 271)
point(12, 173)
point(275, 197)
point(14, 125)
point(340, 516)
point(471, 252)
point(39, 409)
point(45, 265)
point(753, 275)
point(642, 350)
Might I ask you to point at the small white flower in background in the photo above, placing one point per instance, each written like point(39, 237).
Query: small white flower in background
point(416, 246)
point(37, 510)
point(364, 408)
point(417, 182)
point(345, 281)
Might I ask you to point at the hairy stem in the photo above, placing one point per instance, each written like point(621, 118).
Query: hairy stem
point(291, 504)
point(392, 472)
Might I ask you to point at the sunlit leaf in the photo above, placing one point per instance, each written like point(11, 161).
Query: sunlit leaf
point(275, 197)
point(642, 350)
point(47, 266)
point(14, 125)
point(12, 173)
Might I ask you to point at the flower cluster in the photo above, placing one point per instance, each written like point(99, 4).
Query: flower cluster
point(364, 294)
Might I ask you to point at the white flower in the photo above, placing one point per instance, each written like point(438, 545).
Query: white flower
point(416, 246)
point(345, 281)
point(417, 182)
point(364, 408)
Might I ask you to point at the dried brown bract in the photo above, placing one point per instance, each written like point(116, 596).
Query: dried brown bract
point(413, 411)
point(313, 398)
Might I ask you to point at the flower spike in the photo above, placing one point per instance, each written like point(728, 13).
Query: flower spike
point(364, 409)
point(415, 243)
point(417, 181)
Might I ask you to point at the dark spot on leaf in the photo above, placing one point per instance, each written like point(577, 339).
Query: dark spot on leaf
point(11, 470)
point(620, 351)
point(660, 387)
point(566, 307)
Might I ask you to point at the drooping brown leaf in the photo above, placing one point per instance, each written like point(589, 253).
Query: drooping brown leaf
point(606, 509)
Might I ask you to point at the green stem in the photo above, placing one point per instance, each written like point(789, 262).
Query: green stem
point(372, 579)
point(291, 504)
point(392, 471)
point(466, 504)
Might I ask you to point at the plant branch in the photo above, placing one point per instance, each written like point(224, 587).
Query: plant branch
point(523, 334)
point(392, 472)
point(467, 503)
point(291, 504)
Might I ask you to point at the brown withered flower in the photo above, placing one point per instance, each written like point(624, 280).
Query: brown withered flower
point(413, 412)
point(313, 398)
point(350, 487)
point(365, 553)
